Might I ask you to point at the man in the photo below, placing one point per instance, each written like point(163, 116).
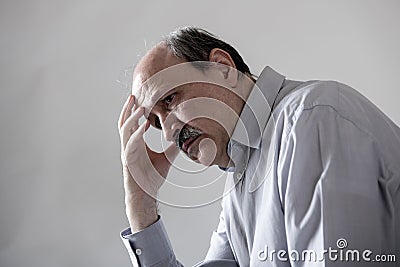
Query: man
point(315, 164)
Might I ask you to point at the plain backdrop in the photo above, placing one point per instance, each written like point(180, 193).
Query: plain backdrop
point(61, 196)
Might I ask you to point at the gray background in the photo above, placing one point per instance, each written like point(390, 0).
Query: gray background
point(61, 197)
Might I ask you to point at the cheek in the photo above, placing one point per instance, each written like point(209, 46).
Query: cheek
point(215, 132)
point(209, 112)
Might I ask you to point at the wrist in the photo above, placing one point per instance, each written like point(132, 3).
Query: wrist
point(141, 211)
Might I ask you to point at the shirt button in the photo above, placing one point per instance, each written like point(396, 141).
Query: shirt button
point(138, 251)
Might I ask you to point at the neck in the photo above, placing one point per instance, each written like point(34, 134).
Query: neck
point(246, 85)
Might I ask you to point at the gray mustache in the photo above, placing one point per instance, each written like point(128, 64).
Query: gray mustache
point(186, 133)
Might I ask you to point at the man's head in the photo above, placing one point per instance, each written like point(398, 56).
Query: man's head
point(193, 87)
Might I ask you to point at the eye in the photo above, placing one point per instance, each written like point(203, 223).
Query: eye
point(168, 100)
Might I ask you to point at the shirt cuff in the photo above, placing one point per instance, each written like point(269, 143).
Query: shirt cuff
point(150, 246)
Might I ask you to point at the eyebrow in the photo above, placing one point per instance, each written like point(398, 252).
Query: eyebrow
point(147, 109)
point(144, 103)
point(153, 98)
point(156, 96)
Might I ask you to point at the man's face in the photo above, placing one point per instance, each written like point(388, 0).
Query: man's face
point(193, 108)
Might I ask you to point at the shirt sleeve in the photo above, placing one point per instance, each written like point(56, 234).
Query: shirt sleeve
point(219, 244)
point(332, 189)
point(151, 247)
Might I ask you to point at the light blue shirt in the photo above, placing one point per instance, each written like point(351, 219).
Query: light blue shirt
point(317, 183)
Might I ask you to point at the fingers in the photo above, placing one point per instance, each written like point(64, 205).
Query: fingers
point(133, 141)
point(129, 108)
point(131, 125)
point(122, 114)
point(126, 110)
point(136, 139)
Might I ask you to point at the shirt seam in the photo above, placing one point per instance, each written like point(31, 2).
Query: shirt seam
point(338, 113)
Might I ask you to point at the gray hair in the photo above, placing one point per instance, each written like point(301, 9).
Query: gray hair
point(195, 44)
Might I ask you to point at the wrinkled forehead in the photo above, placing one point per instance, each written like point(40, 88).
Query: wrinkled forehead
point(150, 89)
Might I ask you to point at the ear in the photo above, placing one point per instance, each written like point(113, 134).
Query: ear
point(225, 65)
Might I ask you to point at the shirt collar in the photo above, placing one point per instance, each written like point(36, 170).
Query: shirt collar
point(256, 111)
point(253, 118)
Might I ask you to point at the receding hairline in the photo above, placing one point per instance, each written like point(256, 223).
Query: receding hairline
point(156, 59)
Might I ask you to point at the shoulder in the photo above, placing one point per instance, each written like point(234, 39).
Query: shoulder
point(313, 93)
point(305, 98)
point(314, 96)
point(326, 104)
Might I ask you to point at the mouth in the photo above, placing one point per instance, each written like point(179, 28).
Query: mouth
point(186, 137)
point(188, 142)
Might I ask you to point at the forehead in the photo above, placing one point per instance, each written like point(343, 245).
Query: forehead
point(150, 89)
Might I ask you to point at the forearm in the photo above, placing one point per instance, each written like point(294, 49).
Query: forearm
point(141, 210)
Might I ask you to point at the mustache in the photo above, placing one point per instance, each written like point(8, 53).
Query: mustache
point(185, 133)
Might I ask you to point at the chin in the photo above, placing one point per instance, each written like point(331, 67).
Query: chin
point(202, 161)
point(204, 151)
point(207, 161)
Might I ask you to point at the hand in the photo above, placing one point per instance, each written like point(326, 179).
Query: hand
point(144, 170)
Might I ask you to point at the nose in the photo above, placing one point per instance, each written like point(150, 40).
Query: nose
point(171, 127)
